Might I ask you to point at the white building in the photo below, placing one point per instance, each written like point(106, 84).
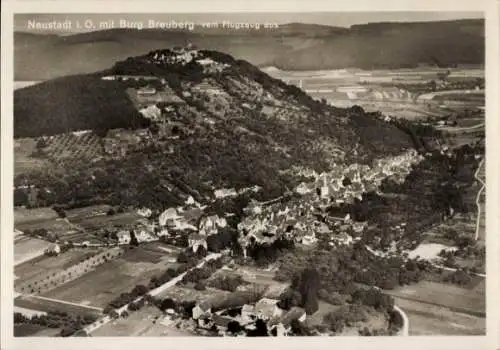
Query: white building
point(53, 249)
point(143, 236)
point(169, 216)
point(267, 308)
point(196, 241)
point(144, 212)
point(123, 237)
point(163, 232)
point(200, 310)
point(210, 225)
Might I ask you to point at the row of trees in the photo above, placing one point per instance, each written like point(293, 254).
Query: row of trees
point(126, 298)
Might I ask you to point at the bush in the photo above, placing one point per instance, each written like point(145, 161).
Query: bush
point(459, 277)
point(200, 286)
point(168, 303)
point(332, 298)
point(227, 283)
point(234, 327)
point(67, 331)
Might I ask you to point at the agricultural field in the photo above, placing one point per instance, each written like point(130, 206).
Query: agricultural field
point(34, 330)
point(84, 146)
point(87, 212)
point(430, 319)
point(23, 161)
point(101, 221)
point(31, 216)
point(43, 264)
point(59, 227)
point(107, 281)
point(162, 248)
point(452, 297)
point(27, 248)
point(46, 305)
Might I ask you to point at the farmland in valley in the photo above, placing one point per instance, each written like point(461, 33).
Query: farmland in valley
point(57, 226)
point(430, 319)
point(24, 216)
point(27, 248)
point(23, 159)
point(107, 281)
point(33, 330)
point(102, 221)
point(35, 303)
point(75, 146)
point(452, 297)
point(33, 268)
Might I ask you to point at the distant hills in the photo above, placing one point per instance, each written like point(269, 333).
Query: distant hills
point(294, 46)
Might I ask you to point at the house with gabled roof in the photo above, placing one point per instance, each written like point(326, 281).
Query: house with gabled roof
point(282, 324)
point(267, 308)
point(123, 237)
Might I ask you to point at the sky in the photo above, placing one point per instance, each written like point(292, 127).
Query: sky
point(340, 19)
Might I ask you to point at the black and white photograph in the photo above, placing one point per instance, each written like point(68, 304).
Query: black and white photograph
point(260, 174)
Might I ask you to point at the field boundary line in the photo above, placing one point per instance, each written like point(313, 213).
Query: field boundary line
point(67, 302)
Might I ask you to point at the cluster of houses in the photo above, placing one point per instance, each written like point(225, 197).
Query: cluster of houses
point(303, 219)
point(189, 219)
point(245, 309)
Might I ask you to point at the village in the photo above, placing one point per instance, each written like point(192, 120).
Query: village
point(299, 220)
point(194, 246)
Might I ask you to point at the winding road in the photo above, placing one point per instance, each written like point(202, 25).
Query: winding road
point(478, 198)
point(405, 329)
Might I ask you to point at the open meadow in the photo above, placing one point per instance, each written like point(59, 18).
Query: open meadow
point(27, 248)
point(430, 319)
point(25, 216)
point(463, 300)
point(101, 220)
point(50, 305)
point(56, 226)
point(34, 330)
